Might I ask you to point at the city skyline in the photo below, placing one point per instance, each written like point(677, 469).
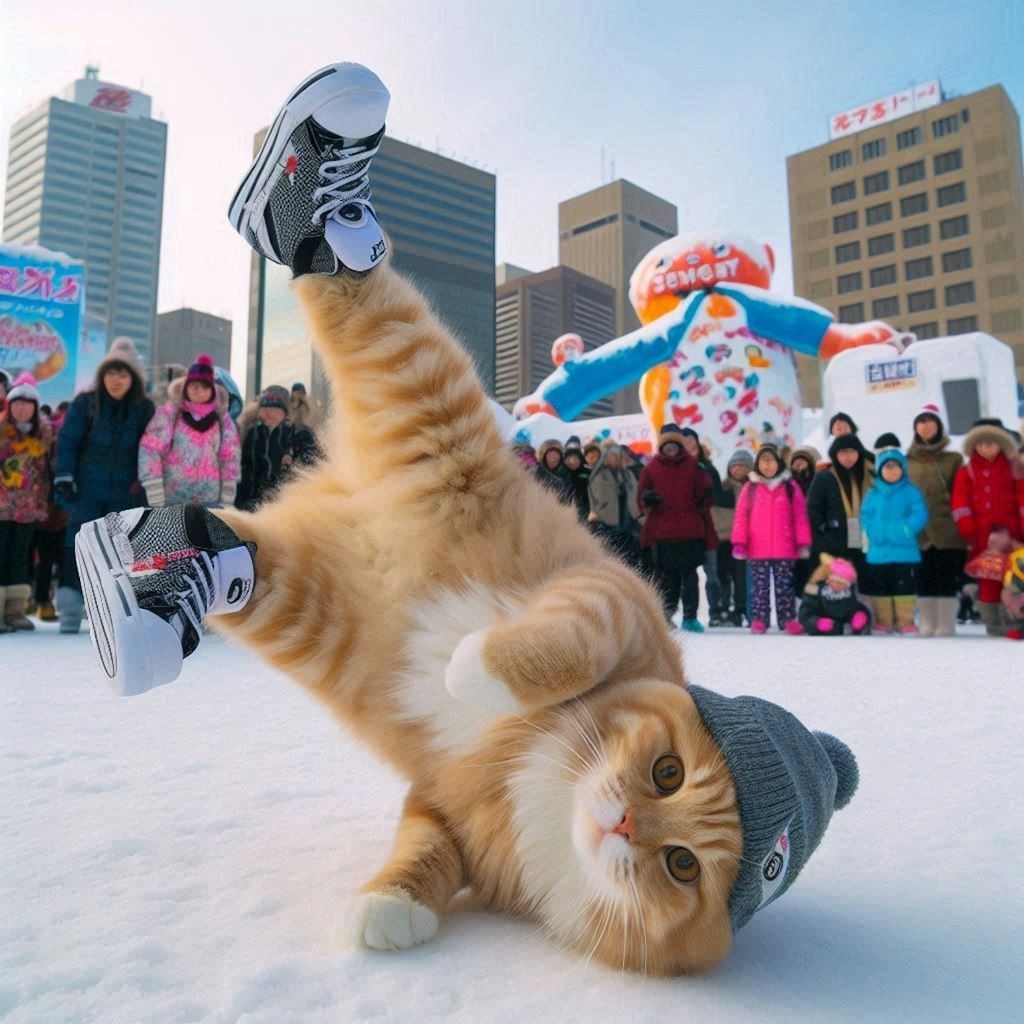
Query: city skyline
point(553, 102)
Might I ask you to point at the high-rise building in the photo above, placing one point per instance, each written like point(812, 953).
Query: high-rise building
point(85, 176)
point(605, 233)
point(183, 334)
point(531, 311)
point(913, 213)
point(439, 215)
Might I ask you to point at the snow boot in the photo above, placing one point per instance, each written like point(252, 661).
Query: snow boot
point(70, 609)
point(905, 616)
point(4, 628)
point(692, 626)
point(15, 605)
point(928, 614)
point(992, 615)
point(150, 577)
point(47, 613)
point(945, 616)
point(883, 616)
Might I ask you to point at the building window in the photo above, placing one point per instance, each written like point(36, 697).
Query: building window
point(910, 173)
point(953, 227)
point(844, 193)
point(852, 314)
point(945, 126)
point(952, 194)
point(844, 222)
point(595, 224)
point(911, 205)
point(872, 150)
point(928, 330)
point(879, 214)
point(951, 161)
point(920, 235)
point(962, 325)
point(876, 182)
point(885, 307)
point(958, 294)
point(911, 137)
point(1007, 320)
point(958, 259)
point(914, 269)
point(918, 302)
point(883, 275)
point(881, 244)
point(837, 161)
point(1002, 286)
point(849, 251)
point(850, 283)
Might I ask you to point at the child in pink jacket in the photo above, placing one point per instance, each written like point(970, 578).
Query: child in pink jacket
point(771, 531)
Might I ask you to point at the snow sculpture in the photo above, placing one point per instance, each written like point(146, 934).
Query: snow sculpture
point(715, 351)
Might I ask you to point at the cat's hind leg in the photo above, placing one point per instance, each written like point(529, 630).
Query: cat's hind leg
point(401, 906)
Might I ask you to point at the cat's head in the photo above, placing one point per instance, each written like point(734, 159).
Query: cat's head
point(690, 812)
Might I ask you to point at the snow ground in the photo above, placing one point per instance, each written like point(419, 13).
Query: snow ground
point(183, 856)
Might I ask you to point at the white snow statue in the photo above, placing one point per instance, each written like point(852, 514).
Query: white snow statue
point(715, 351)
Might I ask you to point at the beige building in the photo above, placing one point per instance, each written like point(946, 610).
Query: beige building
point(531, 311)
point(605, 233)
point(918, 222)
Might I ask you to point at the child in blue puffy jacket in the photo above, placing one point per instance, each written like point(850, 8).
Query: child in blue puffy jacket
point(893, 514)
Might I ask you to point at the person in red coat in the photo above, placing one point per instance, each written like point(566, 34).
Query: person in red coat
point(988, 493)
point(676, 495)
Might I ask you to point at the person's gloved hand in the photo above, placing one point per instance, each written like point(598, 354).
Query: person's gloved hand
point(64, 490)
point(652, 498)
point(739, 551)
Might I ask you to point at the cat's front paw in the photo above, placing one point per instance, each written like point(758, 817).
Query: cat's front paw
point(466, 678)
point(391, 919)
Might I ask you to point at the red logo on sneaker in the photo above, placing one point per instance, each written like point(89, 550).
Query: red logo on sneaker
point(158, 562)
point(291, 166)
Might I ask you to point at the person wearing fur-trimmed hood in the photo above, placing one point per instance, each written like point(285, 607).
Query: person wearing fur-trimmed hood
point(988, 493)
point(190, 452)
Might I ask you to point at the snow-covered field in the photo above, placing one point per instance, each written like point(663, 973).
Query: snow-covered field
point(183, 856)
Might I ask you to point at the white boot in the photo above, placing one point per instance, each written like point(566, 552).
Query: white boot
point(927, 608)
point(70, 609)
point(945, 615)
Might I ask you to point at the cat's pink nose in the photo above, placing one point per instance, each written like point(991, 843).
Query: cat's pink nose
point(626, 827)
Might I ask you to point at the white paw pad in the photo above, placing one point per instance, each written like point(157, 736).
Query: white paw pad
point(391, 920)
point(467, 679)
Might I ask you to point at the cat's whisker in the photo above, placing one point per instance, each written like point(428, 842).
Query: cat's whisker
point(558, 739)
point(642, 925)
point(579, 727)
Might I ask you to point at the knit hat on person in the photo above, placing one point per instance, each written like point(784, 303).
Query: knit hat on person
point(930, 411)
point(299, 386)
point(741, 457)
point(886, 440)
point(845, 419)
point(275, 397)
point(690, 432)
point(201, 370)
point(843, 442)
point(768, 449)
point(25, 389)
point(788, 782)
point(122, 352)
point(843, 569)
point(573, 445)
point(670, 433)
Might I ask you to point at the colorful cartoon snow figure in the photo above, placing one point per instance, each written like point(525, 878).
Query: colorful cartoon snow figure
point(715, 349)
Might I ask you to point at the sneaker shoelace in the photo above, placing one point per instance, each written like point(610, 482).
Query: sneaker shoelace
point(344, 175)
point(194, 599)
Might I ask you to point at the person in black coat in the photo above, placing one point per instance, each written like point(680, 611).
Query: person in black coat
point(97, 469)
point(579, 476)
point(271, 446)
point(834, 501)
point(830, 600)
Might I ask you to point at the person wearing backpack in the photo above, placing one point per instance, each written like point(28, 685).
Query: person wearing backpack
point(771, 531)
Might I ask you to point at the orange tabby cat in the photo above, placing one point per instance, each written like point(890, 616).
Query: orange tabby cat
point(422, 556)
point(464, 623)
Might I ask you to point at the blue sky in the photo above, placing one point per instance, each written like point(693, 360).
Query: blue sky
point(700, 104)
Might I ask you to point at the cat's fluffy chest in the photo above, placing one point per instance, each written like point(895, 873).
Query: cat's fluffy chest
point(436, 626)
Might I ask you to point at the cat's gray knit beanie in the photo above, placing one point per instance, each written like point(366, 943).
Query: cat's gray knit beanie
point(788, 782)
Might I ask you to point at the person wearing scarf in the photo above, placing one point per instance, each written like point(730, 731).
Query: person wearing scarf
point(190, 451)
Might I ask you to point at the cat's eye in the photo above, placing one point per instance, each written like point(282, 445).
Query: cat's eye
point(667, 774)
point(682, 865)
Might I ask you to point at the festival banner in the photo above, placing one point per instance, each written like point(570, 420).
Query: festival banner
point(42, 296)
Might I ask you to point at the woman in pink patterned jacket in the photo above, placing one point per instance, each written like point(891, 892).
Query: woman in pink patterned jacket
point(190, 452)
point(771, 530)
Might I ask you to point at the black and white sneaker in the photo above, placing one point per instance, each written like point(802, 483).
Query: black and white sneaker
point(149, 578)
point(306, 199)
